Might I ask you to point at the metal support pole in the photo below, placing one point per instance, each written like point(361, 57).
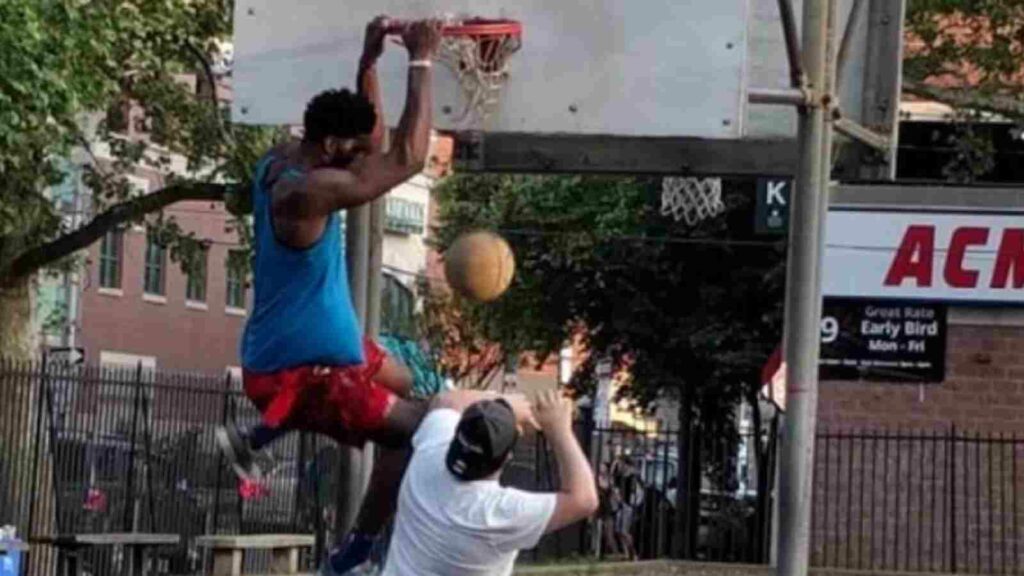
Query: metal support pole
point(357, 254)
point(374, 287)
point(357, 240)
point(803, 299)
point(883, 85)
point(375, 280)
point(842, 58)
point(877, 121)
point(778, 96)
point(865, 136)
point(789, 32)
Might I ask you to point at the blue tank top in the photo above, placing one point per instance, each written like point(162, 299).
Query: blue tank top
point(302, 309)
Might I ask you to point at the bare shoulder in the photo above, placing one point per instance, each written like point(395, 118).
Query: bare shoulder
point(285, 159)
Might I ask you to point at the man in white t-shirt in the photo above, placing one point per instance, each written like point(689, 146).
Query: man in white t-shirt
point(454, 519)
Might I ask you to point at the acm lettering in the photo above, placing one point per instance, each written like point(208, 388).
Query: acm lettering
point(914, 260)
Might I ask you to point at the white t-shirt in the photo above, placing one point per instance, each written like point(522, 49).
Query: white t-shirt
point(448, 527)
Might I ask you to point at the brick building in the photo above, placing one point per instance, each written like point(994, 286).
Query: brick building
point(919, 461)
point(138, 306)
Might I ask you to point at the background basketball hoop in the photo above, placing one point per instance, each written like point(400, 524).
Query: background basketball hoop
point(691, 200)
point(477, 51)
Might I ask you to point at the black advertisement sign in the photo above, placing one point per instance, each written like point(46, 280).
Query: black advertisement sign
point(885, 340)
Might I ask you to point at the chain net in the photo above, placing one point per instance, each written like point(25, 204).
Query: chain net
point(481, 67)
point(691, 200)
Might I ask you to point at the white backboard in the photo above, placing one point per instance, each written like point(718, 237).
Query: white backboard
point(616, 67)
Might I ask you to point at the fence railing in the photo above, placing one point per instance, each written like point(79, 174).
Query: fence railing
point(919, 502)
point(90, 449)
point(87, 449)
point(722, 517)
point(99, 449)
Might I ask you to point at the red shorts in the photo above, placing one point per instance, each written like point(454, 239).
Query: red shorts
point(341, 402)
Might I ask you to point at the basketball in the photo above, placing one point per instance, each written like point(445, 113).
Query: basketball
point(479, 265)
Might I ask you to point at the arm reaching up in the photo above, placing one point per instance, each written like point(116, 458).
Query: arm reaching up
point(367, 81)
point(577, 497)
point(324, 190)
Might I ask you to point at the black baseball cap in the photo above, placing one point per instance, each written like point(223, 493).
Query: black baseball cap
point(486, 434)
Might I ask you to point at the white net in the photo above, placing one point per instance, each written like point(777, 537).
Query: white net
point(480, 65)
point(691, 200)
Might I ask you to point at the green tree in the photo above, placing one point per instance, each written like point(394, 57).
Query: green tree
point(689, 311)
point(70, 72)
point(967, 54)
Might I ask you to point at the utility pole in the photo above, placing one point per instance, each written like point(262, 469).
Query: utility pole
point(801, 340)
point(357, 255)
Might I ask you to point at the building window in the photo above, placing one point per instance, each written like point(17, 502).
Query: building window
point(111, 250)
point(121, 395)
point(397, 308)
point(195, 290)
point(156, 266)
point(404, 216)
point(236, 280)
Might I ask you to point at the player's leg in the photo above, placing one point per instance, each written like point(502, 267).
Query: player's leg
point(395, 376)
point(378, 506)
point(244, 449)
point(393, 444)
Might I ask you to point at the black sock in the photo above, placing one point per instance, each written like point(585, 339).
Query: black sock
point(262, 435)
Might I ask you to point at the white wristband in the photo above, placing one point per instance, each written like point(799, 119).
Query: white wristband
point(420, 64)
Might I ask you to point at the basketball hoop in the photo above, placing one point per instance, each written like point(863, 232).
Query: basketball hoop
point(477, 51)
point(691, 200)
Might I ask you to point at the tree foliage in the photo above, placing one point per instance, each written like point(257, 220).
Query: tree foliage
point(72, 74)
point(967, 53)
point(686, 310)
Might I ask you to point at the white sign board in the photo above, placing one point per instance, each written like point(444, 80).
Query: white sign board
point(953, 257)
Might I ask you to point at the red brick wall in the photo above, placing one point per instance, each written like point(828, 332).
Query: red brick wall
point(895, 489)
point(180, 338)
point(983, 391)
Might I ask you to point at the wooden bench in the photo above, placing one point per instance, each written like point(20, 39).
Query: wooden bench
point(229, 551)
point(138, 546)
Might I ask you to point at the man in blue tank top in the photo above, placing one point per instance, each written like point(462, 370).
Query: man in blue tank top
point(305, 363)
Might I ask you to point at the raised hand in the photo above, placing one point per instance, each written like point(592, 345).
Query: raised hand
point(373, 43)
point(423, 38)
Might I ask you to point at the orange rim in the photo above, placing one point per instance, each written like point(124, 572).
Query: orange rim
point(484, 27)
point(475, 27)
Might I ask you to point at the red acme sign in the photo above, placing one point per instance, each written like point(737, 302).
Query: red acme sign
point(917, 260)
point(925, 255)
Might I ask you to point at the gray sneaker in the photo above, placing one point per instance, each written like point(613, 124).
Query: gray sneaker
point(243, 460)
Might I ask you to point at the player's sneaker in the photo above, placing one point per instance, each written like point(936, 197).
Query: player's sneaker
point(249, 465)
point(351, 558)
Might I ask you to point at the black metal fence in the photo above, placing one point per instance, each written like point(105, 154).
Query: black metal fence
point(99, 449)
point(90, 449)
point(87, 449)
point(919, 502)
point(702, 496)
